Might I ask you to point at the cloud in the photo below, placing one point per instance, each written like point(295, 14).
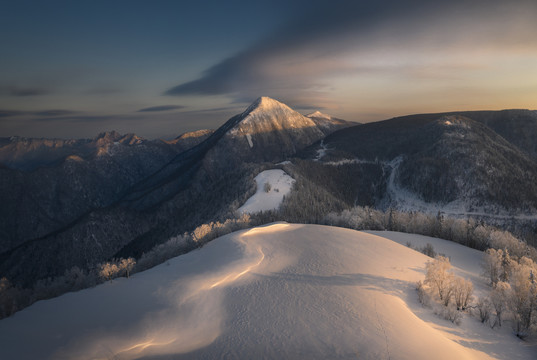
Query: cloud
point(353, 39)
point(10, 113)
point(54, 112)
point(161, 108)
point(23, 91)
point(41, 113)
point(80, 118)
point(104, 90)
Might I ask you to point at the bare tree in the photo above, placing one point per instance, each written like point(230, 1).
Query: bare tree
point(462, 292)
point(523, 297)
point(126, 265)
point(439, 278)
point(499, 297)
point(484, 308)
point(492, 265)
point(108, 271)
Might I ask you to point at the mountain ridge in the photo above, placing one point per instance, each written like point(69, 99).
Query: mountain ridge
point(138, 192)
point(169, 191)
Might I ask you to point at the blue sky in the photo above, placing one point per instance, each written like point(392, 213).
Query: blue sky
point(74, 69)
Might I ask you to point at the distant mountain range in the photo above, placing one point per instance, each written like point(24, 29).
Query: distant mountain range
point(79, 202)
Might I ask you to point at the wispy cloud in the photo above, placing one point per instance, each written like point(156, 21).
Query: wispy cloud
point(80, 118)
point(41, 113)
point(54, 112)
point(9, 113)
point(18, 91)
point(353, 39)
point(161, 108)
point(104, 90)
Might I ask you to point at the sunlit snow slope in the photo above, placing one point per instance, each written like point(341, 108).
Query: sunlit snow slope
point(279, 292)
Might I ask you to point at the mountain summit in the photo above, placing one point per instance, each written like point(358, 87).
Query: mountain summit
point(265, 103)
point(266, 114)
point(267, 130)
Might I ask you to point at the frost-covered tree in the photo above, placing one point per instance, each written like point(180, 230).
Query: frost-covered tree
point(499, 297)
point(492, 266)
point(126, 266)
point(523, 297)
point(480, 237)
point(462, 292)
point(108, 271)
point(505, 240)
point(428, 250)
point(439, 278)
point(484, 309)
point(76, 279)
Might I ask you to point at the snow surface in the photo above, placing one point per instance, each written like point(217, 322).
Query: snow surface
point(321, 152)
point(282, 291)
point(281, 185)
point(318, 114)
point(249, 138)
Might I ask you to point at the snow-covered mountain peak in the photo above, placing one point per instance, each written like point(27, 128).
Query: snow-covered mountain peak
point(266, 104)
point(318, 114)
point(109, 136)
point(267, 131)
point(266, 114)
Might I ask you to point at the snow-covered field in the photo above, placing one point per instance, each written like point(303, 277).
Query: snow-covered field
point(280, 185)
point(281, 291)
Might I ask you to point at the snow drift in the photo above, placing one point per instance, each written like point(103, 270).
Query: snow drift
point(279, 291)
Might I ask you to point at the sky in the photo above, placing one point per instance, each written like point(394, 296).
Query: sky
point(72, 69)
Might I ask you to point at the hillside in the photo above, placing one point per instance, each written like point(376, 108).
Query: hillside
point(128, 196)
point(449, 163)
point(87, 201)
point(48, 184)
point(279, 291)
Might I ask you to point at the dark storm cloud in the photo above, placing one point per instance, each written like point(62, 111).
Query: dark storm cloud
point(161, 108)
point(314, 44)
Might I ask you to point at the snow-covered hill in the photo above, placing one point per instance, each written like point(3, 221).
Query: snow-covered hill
point(279, 291)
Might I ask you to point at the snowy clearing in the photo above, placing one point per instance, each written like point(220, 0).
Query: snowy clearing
point(278, 291)
point(262, 200)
